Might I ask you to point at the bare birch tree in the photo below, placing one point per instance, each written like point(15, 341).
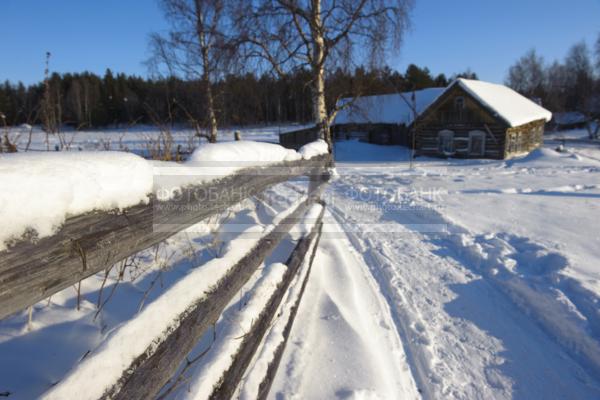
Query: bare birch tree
point(51, 118)
point(195, 47)
point(578, 66)
point(319, 35)
point(526, 76)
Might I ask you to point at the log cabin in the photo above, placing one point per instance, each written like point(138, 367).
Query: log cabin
point(476, 119)
point(467, 119)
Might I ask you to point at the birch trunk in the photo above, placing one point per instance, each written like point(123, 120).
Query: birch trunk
point(318, 68)
point(212, 119)
point(206, 68)
point(319, 108)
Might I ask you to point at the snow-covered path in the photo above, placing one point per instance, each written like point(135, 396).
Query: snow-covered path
point(475, 317)
point(343, 343)
point(464, 337)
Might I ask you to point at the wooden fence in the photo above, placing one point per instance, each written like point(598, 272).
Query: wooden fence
point(296, 139)
point(90, 243)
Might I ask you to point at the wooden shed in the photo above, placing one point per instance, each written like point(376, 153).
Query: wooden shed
point(476, 119)
point(382, 119)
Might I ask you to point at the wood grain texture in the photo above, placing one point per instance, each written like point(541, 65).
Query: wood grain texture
point(87, 244)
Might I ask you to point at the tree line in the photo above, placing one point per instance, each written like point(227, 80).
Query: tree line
point(232, 62)
point(86, 100)
point(572, 84)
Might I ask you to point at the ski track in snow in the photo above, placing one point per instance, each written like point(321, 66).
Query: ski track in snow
point(464, 335)
point(343, 343)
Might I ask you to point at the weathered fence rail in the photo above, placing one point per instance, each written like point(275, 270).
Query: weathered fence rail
point(151, 370)
point(250, 343)
point(88, 244)
point(294, 261)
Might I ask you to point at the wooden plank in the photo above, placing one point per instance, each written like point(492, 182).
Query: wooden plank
point(89, 243)
point(265, 385)
point(232, 377)
point(150, 371)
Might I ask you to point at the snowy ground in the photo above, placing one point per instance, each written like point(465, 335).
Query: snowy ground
point(490, 268)
point(138, 139)
point(63, 335)
point(454, 279)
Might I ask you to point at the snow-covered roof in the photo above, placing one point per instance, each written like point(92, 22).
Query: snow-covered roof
point(387, 108)
point(512, 107)
point(509, 105)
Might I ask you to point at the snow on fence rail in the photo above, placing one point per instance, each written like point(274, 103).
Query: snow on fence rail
point(231, 378)
point(86, 244)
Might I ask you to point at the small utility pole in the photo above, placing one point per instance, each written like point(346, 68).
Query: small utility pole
point(413, 107)
point(48, 109)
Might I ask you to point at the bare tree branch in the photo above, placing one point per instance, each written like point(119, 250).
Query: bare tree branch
point(317, 34)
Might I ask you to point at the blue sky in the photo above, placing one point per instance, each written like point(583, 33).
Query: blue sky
point(488, 36)
point(447, 35)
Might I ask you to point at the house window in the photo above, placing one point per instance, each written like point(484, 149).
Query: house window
point(459, 104)
point(476, 143)
point(446, 142)
point(459, 107)
point(514, 142)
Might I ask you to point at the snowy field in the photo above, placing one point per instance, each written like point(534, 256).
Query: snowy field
point(490, 268)
point(459, 279)
point(137, 139)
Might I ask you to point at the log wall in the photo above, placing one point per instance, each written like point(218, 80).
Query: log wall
point(384, 134)
point(443, 115)
point(524, 138)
